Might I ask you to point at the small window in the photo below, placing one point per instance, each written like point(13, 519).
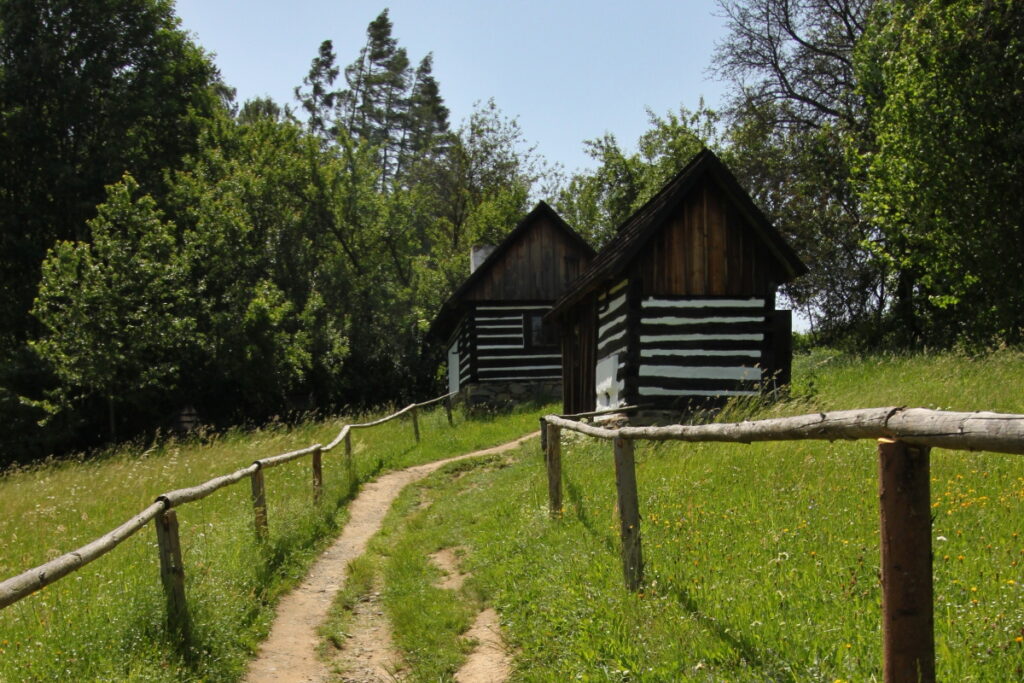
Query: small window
point(572, 268)
point(538, 334)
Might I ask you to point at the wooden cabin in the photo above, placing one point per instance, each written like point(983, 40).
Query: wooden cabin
point(678, 310)
point(499, 349)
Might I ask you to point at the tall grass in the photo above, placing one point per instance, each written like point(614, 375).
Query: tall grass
point(106, 621)
point(762, 560)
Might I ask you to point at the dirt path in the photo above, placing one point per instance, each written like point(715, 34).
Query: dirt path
point(489, 662)
point(288, 653)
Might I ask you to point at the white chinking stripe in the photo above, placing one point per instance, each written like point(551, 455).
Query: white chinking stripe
point(549, 357)
point(617, 302)
point(610, 324)
point(649, 338)
point(615, 337)
point(700, 372)
point(672, 320)
point(702, 303)
point(498, 319)
point(648, 353)
point(658, 391)
point(515, 307)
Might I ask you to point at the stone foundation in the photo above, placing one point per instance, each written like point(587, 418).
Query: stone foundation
point(508, 394)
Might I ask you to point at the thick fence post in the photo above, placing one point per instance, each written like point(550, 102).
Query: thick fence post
point(448, 410)
point(629, 514)
point(416, 423)
point(553, 460)
point(172, 572)
point(908, 628)
point(259, 503)
point(543, 436)
point(318, 475)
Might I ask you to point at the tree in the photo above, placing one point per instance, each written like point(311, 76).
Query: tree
point(318, 100)
point(797, 52)
point(115, 310)
point(795, 108)
point(88, 90)
point(943, 170)
point(376, 103)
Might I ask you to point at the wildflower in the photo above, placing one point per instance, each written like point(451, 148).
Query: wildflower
point(1011, 582)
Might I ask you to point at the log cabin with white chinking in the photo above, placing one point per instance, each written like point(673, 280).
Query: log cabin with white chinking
point(678, 311)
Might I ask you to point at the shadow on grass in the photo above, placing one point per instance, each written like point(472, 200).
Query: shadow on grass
point(751, 655)
point(575, 497)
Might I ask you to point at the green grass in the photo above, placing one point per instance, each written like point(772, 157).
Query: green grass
point(106, 621)
point(762, 560)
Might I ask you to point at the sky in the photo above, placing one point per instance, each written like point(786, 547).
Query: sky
point(568, 70)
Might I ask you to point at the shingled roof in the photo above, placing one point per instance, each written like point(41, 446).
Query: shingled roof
point(636, 230)
point(451, 310)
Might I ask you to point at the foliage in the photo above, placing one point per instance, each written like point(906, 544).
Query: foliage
point(115, 310)
point(794, 109)
point(942, 175)
point(88, 91)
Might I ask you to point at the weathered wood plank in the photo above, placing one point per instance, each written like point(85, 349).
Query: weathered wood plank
point(172, 572)
point(998, 432)
point(259, 504)
point(908, 625)
point(26, 583)
point(629, 514)
point(318, 475)
point(554, 467)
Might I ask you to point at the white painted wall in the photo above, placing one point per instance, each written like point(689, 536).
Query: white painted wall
point(453, 367)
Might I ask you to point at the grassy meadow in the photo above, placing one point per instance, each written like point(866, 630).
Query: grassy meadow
point(106, 621)
point(761, 561)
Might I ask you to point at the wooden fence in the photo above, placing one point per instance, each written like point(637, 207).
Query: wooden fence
point(904, 438)
point(164, 517)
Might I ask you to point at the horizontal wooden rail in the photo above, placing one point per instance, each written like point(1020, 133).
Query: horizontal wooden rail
point(276, 460)
point(604, 411)
point(182, 496)
point(31, 580)
point(904, 435)
point(17, 587)
point(981, 431)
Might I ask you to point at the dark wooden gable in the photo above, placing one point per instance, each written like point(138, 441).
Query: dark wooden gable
point(536, 262)
point(705, 247)
point(700, 235)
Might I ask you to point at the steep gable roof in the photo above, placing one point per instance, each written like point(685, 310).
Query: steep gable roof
point(636, 230)
point(450, 311)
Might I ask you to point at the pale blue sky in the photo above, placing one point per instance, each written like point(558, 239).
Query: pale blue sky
point(569, 70)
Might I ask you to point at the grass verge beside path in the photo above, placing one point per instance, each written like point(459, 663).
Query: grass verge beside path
point(106, 620)
point(762, 560)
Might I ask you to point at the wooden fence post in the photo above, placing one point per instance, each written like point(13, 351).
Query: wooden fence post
point(318, 475)
point(172, 572)
point(908, 628)
point(448, 410)
point(629, 514)
point(543, 436)
point(554, 466)
point(348, 453)
point(416, 423)
point(259, 503)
